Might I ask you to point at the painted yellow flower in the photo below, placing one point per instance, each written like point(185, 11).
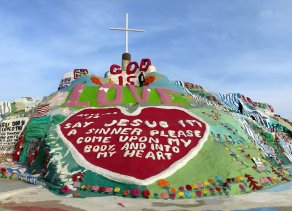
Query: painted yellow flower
point(117, 189)
point(82, 187)
point(204, 191)
point(195, 186)
point(240, 178)
point(180, 194)
point(206, 183)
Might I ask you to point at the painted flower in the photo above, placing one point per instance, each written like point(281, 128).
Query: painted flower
point(181, 188)
point(211, 190)
point(198, 193)
point(204, 191)
point(188, 187)
point(163, 183)
point(266, 180)
point(95, 80)
point(240, 179)
point(149, 79)
point(274, 179)
point(146, 193)
point(211, 180)
point(218, 178)
point(226, 184)
point(82, 187)
point(76, 176)
point(200, 184)
point(102, 189)
point(206, 183)
point(195, 186)
point(3, 170)
point(117, 189)
point(180, 194)
point(87, 187)
point(172, 195)
point(241, 187)
point(156, 195)
point(218, 189)
point(126, 192)
point(135, 192)
point(76, 184)
point(188, 194)
point(65, 189)
point(76, 194)
point(172, 190)
point(94, 188)
point(164, 196)
point(109, 190)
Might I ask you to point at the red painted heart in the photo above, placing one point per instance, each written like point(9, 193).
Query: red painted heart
point(139, 147)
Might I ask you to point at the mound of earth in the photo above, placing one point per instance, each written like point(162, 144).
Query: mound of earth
point(100, 136)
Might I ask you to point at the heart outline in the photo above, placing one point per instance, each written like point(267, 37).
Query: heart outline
point(82, 161)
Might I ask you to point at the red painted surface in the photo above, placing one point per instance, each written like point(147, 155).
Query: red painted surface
point(110, 153)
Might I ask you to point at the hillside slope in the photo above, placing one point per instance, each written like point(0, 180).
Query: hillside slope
point(166, 139)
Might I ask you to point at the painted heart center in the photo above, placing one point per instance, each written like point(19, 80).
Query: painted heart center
point(139, 147)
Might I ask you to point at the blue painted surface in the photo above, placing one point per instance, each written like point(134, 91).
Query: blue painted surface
point(254, 209)
point(260, 209)
point(279, 188)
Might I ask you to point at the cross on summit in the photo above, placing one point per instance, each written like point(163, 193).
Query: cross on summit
point(127, 30)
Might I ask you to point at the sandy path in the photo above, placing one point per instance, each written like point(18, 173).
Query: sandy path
point(38, 198)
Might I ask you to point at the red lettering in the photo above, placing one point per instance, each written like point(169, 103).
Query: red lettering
point(131, 70)
point(121, 80)
point(130, 75)
point(129, 79)
point(144, 65)
point(115, 69)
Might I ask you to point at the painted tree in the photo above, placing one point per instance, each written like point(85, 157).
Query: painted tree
point(252, 182)
point(280, 175)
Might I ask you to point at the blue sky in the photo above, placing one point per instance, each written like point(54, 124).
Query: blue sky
point(225, 46)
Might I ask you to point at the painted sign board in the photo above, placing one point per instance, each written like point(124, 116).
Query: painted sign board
point(9, 134)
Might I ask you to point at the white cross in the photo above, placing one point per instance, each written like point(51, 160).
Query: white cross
point(127, 30)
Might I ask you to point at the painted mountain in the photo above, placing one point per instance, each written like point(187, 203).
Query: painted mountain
point(143, 136)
